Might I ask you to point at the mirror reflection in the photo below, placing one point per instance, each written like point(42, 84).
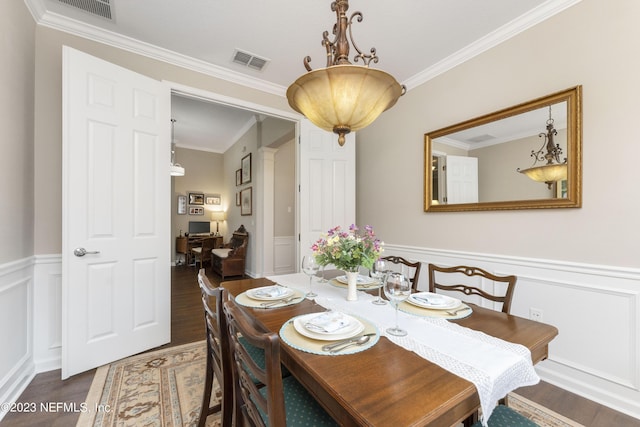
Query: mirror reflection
point(527, 156)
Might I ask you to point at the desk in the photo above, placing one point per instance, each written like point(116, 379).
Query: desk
point(387, 385)
point(184, 244)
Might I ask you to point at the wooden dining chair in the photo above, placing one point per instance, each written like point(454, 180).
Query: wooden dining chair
point(503, 416)
point(412, 267)
point(218, 353)
point(436, 273)
point(265, 397)
point(202, 253)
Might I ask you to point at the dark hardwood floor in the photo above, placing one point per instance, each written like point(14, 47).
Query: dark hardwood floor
point(187, 326)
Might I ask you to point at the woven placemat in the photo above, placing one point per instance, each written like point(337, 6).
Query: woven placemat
point(244, 299)
point(407, 307)
point(298, 341)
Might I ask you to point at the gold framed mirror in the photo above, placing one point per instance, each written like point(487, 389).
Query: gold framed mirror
point(528, 156)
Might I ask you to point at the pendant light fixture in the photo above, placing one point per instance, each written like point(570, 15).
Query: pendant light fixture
point(553, 170)
point(175, 169)
point(342, 97)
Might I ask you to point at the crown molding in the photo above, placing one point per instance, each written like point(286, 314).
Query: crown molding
point(80, 29)
point(535, 16)
point(100, 35)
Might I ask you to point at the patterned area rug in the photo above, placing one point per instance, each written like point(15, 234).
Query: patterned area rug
point(162, 388)
point(540, 415)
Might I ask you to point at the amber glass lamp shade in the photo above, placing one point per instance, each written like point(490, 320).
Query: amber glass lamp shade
point(547, 173)
point(343, 98)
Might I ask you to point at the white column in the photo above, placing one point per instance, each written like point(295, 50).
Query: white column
point(265, 200)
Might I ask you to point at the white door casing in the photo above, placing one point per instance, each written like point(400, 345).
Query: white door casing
point(462, 179)
point(116, 201)
point(327, 184)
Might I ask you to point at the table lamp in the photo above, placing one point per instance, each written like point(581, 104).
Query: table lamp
point(218, 216)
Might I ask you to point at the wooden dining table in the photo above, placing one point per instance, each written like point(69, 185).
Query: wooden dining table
point(387, 385)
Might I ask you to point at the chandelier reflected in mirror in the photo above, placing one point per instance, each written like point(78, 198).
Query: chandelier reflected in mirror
point(553, 170)
point(343, 97)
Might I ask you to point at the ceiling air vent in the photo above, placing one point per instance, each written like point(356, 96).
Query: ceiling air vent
point(481, 138)
point(100, 8)
point(249, 60)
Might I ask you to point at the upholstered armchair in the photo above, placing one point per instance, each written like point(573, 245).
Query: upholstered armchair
point(229, 260)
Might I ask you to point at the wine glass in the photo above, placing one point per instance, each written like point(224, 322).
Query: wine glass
point(310, 267)
point(397, 289)
point(322, 279)
point(378, 272)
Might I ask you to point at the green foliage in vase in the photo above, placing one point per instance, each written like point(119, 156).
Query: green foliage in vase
point(348, 250)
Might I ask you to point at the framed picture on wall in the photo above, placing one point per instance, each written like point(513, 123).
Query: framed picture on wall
point(238, 198)
point(182, 205)
point(213, 199)
point(239, 177)
point(246, 201)
point(196, 210)
point(196, 199)
point(246, 169)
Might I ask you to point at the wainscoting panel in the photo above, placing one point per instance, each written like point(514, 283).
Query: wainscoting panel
point(16, 318)
point(284, 259)
point(595, 308)
point(47, 343)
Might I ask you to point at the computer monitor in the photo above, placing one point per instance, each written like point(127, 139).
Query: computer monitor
point(199, 227)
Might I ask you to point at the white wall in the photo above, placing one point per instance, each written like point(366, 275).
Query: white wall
point(580, 266)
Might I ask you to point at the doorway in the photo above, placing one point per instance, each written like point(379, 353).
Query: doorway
point(267, 136)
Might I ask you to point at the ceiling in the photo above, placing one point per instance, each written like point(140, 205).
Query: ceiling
point(414, 39)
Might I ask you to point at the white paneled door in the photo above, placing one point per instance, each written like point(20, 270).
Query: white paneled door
point(116, 281)
point(327, 178)
point(462, 179)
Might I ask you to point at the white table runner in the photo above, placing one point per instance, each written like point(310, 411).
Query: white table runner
point(494, 366)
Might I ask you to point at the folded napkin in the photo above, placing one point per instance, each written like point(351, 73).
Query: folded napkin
point(431, 299)
point(271, 292)
point(327, 322)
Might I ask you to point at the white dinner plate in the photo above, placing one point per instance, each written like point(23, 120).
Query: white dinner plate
point(269, 293)
point(362, 280)
point(433, 301)
point(354, 328)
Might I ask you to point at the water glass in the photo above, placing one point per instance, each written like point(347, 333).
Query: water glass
point(378, 272)
point(310, 267)
point(397, 288)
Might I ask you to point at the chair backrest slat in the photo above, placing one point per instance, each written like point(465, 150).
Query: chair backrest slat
point(218, 348)
point(505, 299)
point(411, 265)
point(251, 378)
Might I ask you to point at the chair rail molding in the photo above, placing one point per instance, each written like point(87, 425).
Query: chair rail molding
point(588, 304)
